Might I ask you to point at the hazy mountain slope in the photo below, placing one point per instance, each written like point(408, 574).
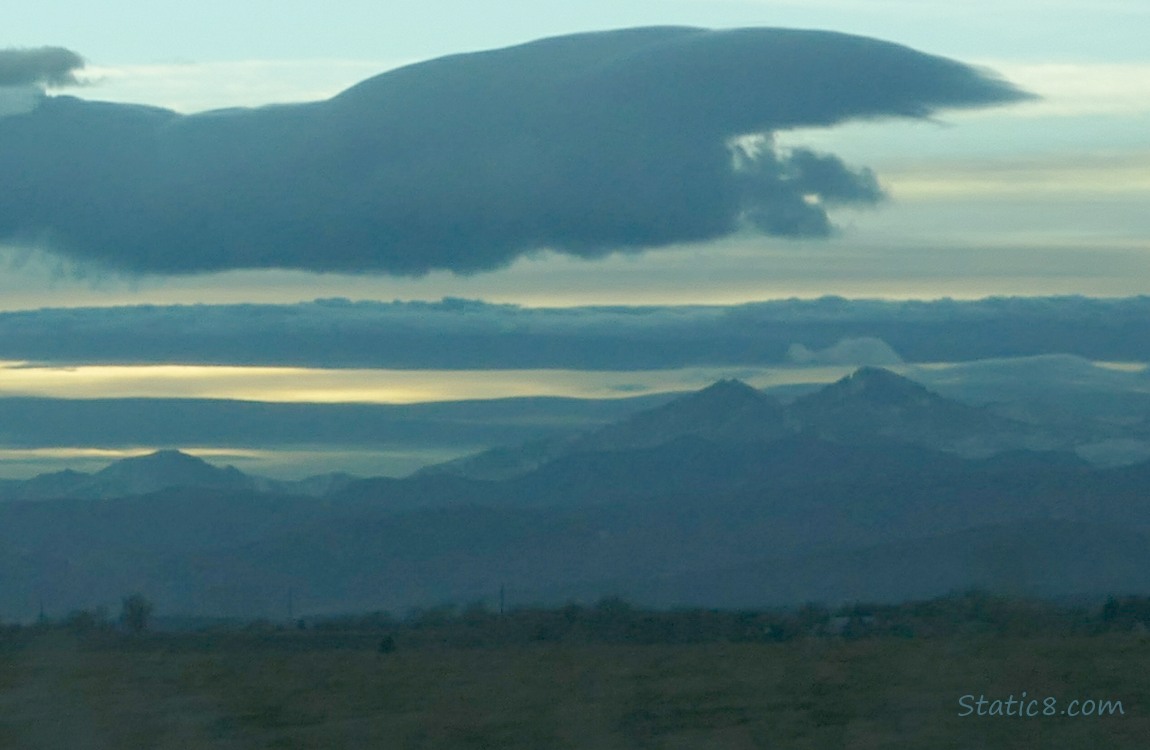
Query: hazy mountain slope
point(73, 553)
point(870, 402)
point(1034, 558)
point(135, 475)
point(238, 554)
point(160, 470)
point(874, 400)
point(165, 469)
point(727, 411)
point(665, 512)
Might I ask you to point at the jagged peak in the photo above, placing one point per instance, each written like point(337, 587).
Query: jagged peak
point(721, 397)
point(874, 383)
point(879, 374)
point(165, 460)
point(729, 388)
point(164, 455)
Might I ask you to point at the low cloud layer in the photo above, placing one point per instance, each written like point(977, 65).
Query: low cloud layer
point(41, 66)
point(586, 144)
point(855, 352)
point(461, 334)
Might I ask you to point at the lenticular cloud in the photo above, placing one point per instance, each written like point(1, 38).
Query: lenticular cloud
point(586, 144)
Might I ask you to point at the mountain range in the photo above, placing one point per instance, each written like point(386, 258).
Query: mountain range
point(870, 402)
point(872, 487)
point(161, 470)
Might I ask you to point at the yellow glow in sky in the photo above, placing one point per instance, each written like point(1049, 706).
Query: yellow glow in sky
point(303, 385)
point(115, 454)
point(1073, 179)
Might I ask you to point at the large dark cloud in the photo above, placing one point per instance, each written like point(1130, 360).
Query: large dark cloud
point(43, 66)
point(588, 144)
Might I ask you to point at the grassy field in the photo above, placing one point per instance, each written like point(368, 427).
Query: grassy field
point(309, 689)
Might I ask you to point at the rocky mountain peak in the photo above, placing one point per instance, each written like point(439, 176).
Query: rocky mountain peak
point(876, 385)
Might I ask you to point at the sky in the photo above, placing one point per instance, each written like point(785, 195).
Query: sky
point(1043, 197)
point(982, 193)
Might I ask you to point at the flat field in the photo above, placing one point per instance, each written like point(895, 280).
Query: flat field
point(310, 689)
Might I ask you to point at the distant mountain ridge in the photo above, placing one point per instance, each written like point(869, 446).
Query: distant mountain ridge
point(723, 497)
point(873, 400)
point(727, 411)
point(139, 475)
point(161, 470)
point(870, 402)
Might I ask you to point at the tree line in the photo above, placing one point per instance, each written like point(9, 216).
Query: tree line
point(615, 620)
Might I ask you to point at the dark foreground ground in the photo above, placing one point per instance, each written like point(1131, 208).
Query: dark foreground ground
point(456, 685)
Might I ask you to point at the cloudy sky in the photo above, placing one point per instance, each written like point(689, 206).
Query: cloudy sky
point(1034, 198)
point(997, 147)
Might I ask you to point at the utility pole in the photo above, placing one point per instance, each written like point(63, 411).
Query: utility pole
point(501, 600)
